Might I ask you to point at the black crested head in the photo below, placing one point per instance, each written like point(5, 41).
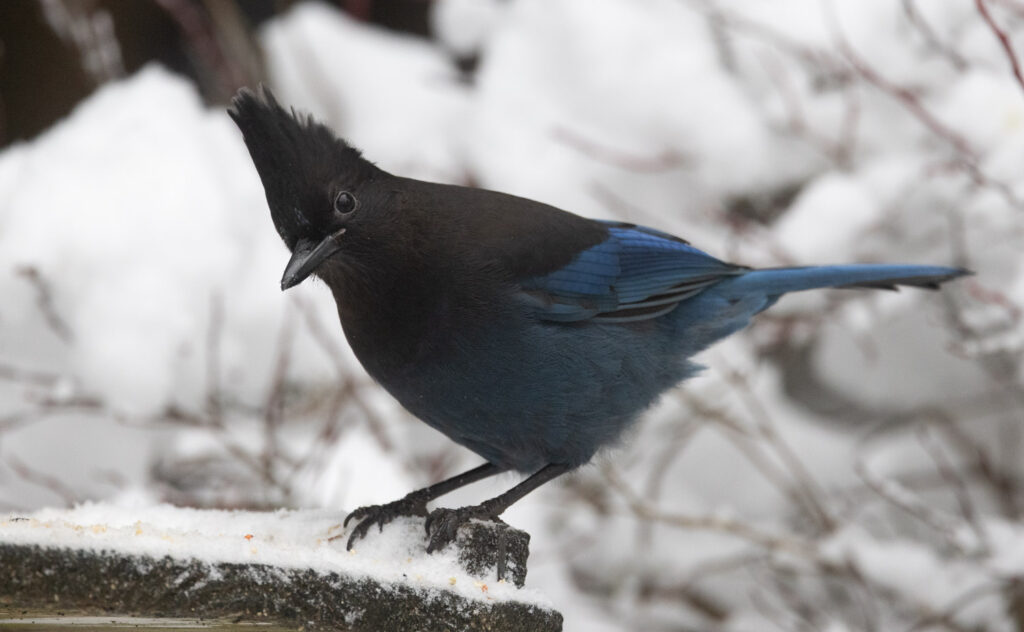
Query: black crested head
point(311, 177)
point(301, 163)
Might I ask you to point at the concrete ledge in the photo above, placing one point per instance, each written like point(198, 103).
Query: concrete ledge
point(46, 578)
point(265, 567)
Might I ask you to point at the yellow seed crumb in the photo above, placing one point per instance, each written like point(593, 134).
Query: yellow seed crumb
point(451, 580)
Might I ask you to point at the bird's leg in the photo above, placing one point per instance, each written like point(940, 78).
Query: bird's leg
point(413, 504)
point(443, 523)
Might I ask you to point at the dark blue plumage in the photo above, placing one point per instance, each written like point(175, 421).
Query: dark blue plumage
point(636, 273)
point(530, 335)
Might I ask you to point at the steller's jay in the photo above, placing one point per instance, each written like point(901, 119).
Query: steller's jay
point(530, 335)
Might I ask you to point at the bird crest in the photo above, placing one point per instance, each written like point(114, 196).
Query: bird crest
point(298, 159)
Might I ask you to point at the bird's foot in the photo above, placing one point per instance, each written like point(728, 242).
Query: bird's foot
point(413, 504)
point(443, 523)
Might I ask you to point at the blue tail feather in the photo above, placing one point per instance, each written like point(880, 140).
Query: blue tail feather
point(778, 281)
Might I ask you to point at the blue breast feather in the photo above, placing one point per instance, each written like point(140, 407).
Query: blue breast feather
point(638, 273)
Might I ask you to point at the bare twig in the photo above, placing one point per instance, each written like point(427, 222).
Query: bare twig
point(967, 158)
point(947, 616)
point(273, 408)
point(909, 100)
point(28, 376)
point(904, 499)
point(812, 491)
point(672, 450)
point(214, 396)
point(1004, 41)
point(42, 479)
point(376, 425)
point(773, 542)
point(955, 482)
point(743, 440)
point(903, 95)
point(948, 52)
point(1002, 484)
point(328, 434)
point(44, 300)
point(839, 151)
point(48, 407)
point(815, 57)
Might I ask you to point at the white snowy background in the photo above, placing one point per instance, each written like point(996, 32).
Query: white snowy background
point(853, 461)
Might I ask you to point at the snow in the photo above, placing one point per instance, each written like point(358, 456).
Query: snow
point(142, 222)
point(464, 26)
point(841, 202)
point(143, 236)
point(405, 109)
point(898, 566)
point(544, 72)
point(284, 539)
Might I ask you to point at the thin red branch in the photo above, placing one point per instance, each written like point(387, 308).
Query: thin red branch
point(967, 158)
point(909, 100)
point(1004, 40)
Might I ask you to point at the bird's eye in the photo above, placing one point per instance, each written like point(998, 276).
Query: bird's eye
point(345, 204)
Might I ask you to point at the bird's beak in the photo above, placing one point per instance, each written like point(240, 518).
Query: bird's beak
point(307, 256)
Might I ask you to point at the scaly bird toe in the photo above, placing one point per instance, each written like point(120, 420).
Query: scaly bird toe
point(442, 525)
point(380, 515)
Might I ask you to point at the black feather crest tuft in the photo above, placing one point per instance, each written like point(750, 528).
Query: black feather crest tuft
point(298, 159)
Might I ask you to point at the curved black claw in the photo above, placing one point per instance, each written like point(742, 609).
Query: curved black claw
point(443, 524)
point(380, 515)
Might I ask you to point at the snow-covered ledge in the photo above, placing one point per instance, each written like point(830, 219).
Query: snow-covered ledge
point(279, 566)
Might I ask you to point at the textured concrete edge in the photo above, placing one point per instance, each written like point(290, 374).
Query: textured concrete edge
point(109, 582)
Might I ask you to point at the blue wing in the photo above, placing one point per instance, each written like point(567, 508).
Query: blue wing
point(638, 273)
